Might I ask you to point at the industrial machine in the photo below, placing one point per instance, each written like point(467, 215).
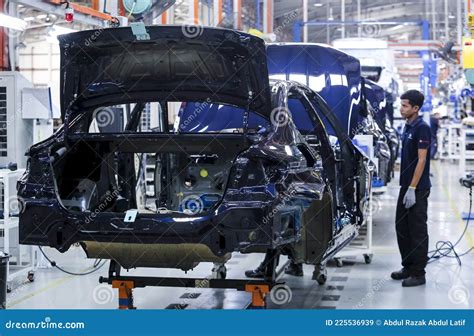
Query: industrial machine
point(25, 117)
point(16, 133)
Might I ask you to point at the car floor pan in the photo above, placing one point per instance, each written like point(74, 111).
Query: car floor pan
point(181, 256)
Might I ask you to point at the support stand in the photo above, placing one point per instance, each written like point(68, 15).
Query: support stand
point(258, 289)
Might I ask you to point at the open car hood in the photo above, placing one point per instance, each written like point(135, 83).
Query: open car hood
point(176, 64)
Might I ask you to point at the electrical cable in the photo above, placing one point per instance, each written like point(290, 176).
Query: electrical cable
point(96, 266)
point(444, 248)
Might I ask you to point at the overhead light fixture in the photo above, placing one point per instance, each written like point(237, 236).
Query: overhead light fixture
point(11, 22)
point(318, 4)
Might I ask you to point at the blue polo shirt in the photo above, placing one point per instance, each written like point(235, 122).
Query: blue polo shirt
point(416, 135)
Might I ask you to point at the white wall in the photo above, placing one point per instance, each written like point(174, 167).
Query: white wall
point(39, 63)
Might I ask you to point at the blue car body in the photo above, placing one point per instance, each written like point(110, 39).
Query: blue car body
point(358, 103)
point(333, 74)
point(377, 98)
point(381, 105)
point(236, 174)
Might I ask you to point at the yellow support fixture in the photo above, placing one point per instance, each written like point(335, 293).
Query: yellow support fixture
point(125, 293)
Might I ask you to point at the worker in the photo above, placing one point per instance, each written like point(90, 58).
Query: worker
point(411, 214)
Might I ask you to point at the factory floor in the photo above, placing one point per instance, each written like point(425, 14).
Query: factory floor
point(355, 285)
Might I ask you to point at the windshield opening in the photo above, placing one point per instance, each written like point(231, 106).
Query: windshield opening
point(167, 117)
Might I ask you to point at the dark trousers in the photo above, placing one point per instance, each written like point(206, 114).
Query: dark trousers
point(412, 232)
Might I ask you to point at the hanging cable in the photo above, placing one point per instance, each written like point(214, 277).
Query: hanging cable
point(96, 266)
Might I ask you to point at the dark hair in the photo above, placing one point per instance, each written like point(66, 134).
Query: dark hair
point(414, 97)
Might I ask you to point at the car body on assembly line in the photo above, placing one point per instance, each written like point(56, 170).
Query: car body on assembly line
point(235, 173)
point(378, 104)
point(336, 76)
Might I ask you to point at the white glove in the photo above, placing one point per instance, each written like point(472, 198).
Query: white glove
point(409, 199)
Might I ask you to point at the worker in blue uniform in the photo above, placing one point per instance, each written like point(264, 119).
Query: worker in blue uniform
point(412, 206)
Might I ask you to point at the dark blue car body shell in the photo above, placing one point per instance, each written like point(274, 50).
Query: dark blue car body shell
point(333, 74)
point(376, 97)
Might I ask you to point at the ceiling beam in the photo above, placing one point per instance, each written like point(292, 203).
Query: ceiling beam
point(59, 11)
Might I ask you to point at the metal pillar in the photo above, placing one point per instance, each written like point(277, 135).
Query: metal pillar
point(194, 11)
point(329, 16)
point(259, 15)
point(459, 20)
point(217, 8)
point(12, 53)
point(267, 16)
point(428, 76)
point(467, 5)
point(3, 44)
point(433, 19)
point(359, 18)
point(237, 14)
point(446, 21)
point(343, 18)
point(305, 19)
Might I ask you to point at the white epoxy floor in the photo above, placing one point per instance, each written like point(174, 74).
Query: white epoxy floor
point(356, 285)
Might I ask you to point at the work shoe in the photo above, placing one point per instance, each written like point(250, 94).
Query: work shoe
point(414, 281)
point(400, 275)
point(256, 273)
point(294, 269)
